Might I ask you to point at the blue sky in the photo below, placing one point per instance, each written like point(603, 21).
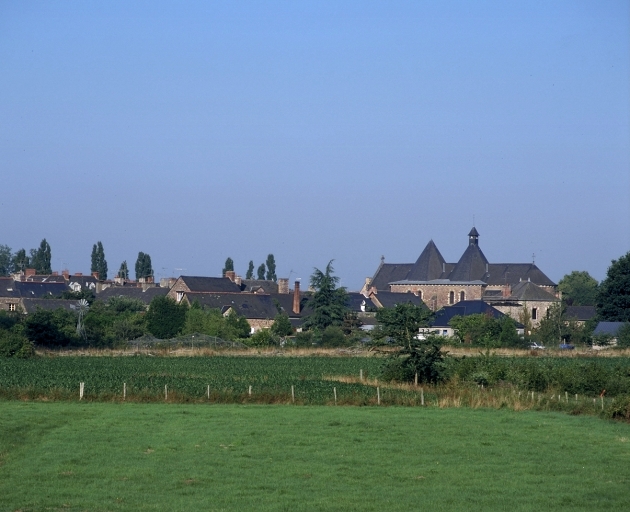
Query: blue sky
point(315, 131)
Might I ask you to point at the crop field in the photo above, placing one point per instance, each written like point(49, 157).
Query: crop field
point(133, 456)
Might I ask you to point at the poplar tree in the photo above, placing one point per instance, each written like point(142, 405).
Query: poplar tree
point(250, 270)
point(143, 266)
point(271, 268)
point(99, 264)
point(123, 272)
point(261, 272)
point(228, 267)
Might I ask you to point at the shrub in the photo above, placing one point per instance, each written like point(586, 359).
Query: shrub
point(262, 338)
point(333, 336)
point(15, 344)
point(165, 318)
point(51, 328)
point(282, 325)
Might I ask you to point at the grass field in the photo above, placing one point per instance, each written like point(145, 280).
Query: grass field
point(114, 456)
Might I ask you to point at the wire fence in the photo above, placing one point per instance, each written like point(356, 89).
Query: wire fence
point(187, 341)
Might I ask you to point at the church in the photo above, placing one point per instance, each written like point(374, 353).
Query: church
point(520, 290)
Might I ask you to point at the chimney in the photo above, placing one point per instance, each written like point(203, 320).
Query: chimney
point(28, 272)
point(230, 274)
point(238, 280)
point(55, 273)
point(283, 285)
point(95, 275)
point(65, 274)
point(296, 298)
point(78, 274)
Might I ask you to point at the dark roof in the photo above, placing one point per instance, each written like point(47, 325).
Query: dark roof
point(356, 300)
point(7, 287)
point(285, 301)
point(580, 313)
point(513, 273)
point(210, 284)
point(36, 290)
point(473, 232)
point(249, 305)
point(465, 308)
point(86, 282)
point(136, 292)
point(527, 290)
point(390, 299)
point(32, 305)
point(253, 285)
point(389, 273)
point(610, 328)
point(471, 266)
point(40, 278)
point(429, 265)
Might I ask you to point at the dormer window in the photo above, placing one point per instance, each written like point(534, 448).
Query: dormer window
point(180, 296)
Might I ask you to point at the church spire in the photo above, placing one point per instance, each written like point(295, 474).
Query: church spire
point(473, 237)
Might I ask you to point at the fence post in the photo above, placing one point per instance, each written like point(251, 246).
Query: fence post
point(250, 391)
point(421, 396)
point(124, 391)
point(81, 387)
point(566, 396)
point(292, 394)
point(165, 392)
point(361, 375)
point(335, 393)
point(208, 391)
point(416, 380)
point(378, 395)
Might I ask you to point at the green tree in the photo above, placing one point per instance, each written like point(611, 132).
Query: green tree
point(261, 272)
point(328, 301)
point(143, 266)
point(123, 271)
point(613, 297)
point(271, 268)
point(282, 325)
point(41, 258)
point(250, 270)
point(51, 328)
point(99, 264)
point(578, 289)
point(165, 318)
point(6, 260)
point(479, 329)
point(13, 343)
point(403, 322)
point(228, 267)
point(21, 261)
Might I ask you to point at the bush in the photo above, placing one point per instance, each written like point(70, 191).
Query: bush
point(262, 338)
point(423, 358)
point(165, 318)
point(52, 328)
point(15, 344)
point(333, 337)
point(282, 325)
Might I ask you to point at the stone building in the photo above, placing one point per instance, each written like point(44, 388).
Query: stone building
point(510, 287)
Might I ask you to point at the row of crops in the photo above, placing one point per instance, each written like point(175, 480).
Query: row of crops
point(307, 380)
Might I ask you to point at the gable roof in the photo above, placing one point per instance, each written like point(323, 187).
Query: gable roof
point(609, 328)
point(580, 313)
point(465, 308)
point(391, 299)
point(526, 290)
point(32, 305)
point(389, 273)
point(429, 265)
point(38, 290)
point(210, 284)
point(135, 292)
point(249, 305)
point(513, 273)
point(258, 285)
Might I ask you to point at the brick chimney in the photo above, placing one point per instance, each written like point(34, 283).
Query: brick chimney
point(95, 275)
point(55, 273)
point(78, 274)
point(238, 280)
point(230, 274)
point(296, 298)
point(283, 285)
point(65, 274)
point(29, 272)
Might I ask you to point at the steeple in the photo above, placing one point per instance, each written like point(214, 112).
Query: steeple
point(473, 237)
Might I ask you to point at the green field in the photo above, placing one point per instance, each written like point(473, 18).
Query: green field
point(112, 456)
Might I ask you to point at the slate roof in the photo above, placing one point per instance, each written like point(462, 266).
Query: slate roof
point(253, 285)
point(465, 308)
point(609, 328)
point(135, 292)
point(471, 266)
point(527, 290)
point(32, 305)
point(210, 284)
point(390, 299)
point(389, 273)
point(429, 265)
point(86, 282)
point(247, 304)
point(355, 300)
point(580, 313)
point(39, 278)
point(513, 273)
point(37, 290)
point(7, 287)
point(285, 300)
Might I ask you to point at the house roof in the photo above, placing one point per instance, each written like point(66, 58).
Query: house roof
point(258, 285)
point(580, 313)
point(32, 305)
point(429, 265)
point(388, 273)
point(356, 300)
point(526, 290)
point(135, 292)
point(36, 290)
point(42, 278)
point(609, 328)
point(210, 284)
point(249, 305)
point(465, 308)
point(286, 304)
point(513, 273)
point(7, 287)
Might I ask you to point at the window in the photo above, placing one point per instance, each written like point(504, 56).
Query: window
point(451, 298)
point(420, 294)
point(11, 307)
point(462, 296)
point(534, 313)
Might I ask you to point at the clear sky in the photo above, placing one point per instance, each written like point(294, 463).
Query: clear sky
point(194, 131)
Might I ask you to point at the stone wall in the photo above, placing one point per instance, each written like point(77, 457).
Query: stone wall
point(256, 324)
point(515, 310)
point(436, 296)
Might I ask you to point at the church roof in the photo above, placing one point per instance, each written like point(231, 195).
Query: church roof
point(390, 272)
point(471, 266)
point(527, 290)
point(429, 265)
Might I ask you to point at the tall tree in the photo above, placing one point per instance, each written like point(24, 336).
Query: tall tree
point(250, 270)
point(578, 289)
point(99, 264)
point(328, 301)
point(41, 258)
point(165, 318)
point(271, 268)
point(143, 266)
point(261, 272)
point(21, 261)
point(6, 260)
point(123, 271)
point(613, 298)
point(228, 267)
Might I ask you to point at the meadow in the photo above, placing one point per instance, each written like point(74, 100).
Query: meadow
point(121, 456)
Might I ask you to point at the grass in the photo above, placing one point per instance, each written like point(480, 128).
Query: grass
point(113, 456)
